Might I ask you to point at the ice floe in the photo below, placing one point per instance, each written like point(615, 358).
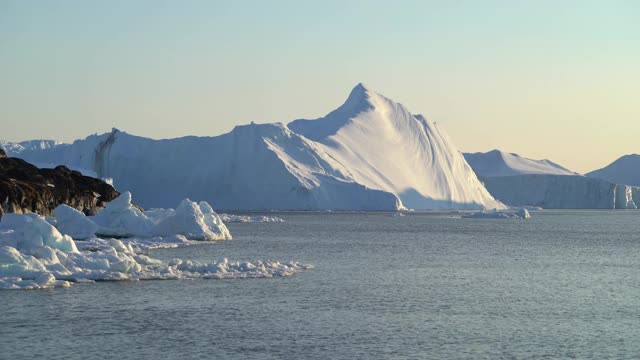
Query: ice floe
point(494, 214)
point(34, 254)
point(231, 218)
point(120, 218)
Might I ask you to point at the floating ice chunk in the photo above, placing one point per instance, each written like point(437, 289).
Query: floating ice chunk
point(121, 219)
point(192, 220)
point(494, 214)
point(37, 257)
point(72, 222)
point(189, 220)
point(231, 218)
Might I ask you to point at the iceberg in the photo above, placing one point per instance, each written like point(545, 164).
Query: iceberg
point(369, 154)
point(518, 181)
point(194, 221)
point(121, 219)
point(562, 192)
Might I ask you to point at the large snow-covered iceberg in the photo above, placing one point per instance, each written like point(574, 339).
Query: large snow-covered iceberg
point(369, 154)
point(384, 146)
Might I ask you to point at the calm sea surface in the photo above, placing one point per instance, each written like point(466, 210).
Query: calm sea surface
point(565, 284)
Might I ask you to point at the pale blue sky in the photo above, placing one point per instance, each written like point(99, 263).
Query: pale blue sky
point(547, 79)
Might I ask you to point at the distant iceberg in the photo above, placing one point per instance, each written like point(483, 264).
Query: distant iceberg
point(518, 181)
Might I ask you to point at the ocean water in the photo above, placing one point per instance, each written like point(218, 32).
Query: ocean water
point(564, 284)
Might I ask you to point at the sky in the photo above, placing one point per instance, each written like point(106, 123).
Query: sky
point(545, 79)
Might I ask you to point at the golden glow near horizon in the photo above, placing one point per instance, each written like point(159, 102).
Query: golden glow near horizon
point(544, 79)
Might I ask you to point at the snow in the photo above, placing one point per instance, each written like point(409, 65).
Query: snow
point(369, 154)
point(498, 163)
point(625, 170)
point(494, 214)
point(231, 218)
point(34, 255)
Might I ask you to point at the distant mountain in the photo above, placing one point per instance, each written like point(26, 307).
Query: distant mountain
point(499, 163)
point(369, 154)
point(625, 170)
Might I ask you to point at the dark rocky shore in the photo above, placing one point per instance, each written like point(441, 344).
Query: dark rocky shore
point(26, 188)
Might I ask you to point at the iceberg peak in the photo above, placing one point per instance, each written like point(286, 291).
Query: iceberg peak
point(359, 100)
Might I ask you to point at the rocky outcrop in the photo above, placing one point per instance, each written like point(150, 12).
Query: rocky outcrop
point(26, 188)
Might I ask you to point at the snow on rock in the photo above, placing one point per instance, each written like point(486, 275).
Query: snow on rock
point(74, 223)
point(34, 255)
point(369, 154)
point(231, 218)
point(494, 214)
point(500, 163)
